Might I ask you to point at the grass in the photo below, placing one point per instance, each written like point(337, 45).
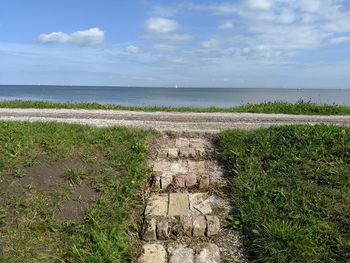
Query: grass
point(301, 107)
point(30, 230)
point(75, 175)
point(290, 189)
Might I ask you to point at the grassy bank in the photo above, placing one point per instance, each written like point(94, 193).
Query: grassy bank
point(290, 189)
point(49, 171)
point(300, 107)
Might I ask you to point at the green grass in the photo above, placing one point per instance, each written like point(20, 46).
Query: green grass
point(29, 228)
point(301, 107)
point(290, 189)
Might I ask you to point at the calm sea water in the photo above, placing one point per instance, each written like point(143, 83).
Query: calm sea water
point(196, 97)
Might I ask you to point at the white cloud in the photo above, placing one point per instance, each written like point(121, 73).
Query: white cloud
point(340, 40)
point(132, 49)
point(177, 60)
point(260, 51)
point(92, 36)
point(163, 47)
point(169, 37)
point(260, 4)
point(161, 25)
point(226, 25)
point(211, 43)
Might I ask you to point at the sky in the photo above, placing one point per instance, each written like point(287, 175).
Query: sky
point(207, 43)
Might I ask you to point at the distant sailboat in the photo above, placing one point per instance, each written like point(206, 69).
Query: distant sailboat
point(176, 86)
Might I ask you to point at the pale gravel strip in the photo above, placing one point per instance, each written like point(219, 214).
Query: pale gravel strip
point(166, 121)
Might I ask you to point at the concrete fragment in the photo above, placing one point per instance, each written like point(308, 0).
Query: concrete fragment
point(162, 228)
point(150, 230)
point(199, 226)
point(165, 180)
point(181, 254)
point(213, 225)
point(153, 253)
point(178, 204)
point(157, 205)
point(200, 204)
point(209, 254)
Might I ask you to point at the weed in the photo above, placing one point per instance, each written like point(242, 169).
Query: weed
point(75, 175)
point(19, 173)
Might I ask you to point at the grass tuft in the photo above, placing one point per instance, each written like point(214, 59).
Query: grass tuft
point(75, 175)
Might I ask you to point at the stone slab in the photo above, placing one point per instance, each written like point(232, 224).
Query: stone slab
point(181, 254)
point(178, 204)
point(157, 205)
point(153, 253)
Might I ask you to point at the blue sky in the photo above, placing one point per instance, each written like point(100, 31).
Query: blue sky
point(248, 43)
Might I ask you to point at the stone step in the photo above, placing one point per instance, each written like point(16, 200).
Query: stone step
point(179, 204)
point(178, 253)
point(163, 228)
point(185, 148)
point(184, 174)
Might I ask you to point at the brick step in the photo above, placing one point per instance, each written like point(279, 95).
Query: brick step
point(163, 228)
point(179, 204)
point(183, 174)
point(178, 253)
point(185, 148)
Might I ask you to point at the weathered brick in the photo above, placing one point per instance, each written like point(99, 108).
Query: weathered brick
point(162, 228)
point(180, 180)
point(204, 182)
point(198, 143)
point(199, 226)
point(191, 180)
point(187, 225)
point(182, 143)
point(209, 254)
point(149, 233)
point(213, 225)
point(153, 253)
point(173, 153)
point(181, 254)
point(178, 204)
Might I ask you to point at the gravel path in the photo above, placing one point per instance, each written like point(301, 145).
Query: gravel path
point(167, 121)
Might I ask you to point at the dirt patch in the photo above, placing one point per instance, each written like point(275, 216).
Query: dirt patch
point(46, 178)
point(75, 205)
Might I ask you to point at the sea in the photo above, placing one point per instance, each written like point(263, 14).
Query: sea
point(176, 97)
